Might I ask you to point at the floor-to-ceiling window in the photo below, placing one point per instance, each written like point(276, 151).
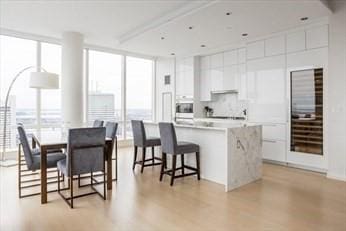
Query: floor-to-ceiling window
point(104, 95)
point(16, 54)
point(139, 90)
point(113, 94)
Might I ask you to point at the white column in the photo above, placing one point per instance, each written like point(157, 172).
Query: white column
point(72, 79)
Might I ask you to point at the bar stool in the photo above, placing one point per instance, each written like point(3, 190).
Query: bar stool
point(140, 140)
point(170, 145)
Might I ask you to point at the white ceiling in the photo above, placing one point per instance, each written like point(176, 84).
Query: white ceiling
point(137, 26)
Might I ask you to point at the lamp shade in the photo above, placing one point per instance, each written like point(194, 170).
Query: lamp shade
point(44, 80)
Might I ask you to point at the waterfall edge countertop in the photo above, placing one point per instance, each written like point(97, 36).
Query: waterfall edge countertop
point(230, 153)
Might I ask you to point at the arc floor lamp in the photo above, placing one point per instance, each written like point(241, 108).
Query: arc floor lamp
point(40, 80)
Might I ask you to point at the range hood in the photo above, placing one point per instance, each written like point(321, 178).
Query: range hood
point(225, 92)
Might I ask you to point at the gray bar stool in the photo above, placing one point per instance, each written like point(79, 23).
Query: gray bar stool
point(170, 145)
point(140, 140)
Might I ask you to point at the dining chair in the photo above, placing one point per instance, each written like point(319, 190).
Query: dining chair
point(170, 145)
point(98, 123)
point(32, 160)
point(111, 133)
point(141, 140)
point(85, 154)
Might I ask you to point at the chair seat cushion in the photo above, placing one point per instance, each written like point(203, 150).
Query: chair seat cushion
point(186, 147)
point(152, 141)
point(52, 159)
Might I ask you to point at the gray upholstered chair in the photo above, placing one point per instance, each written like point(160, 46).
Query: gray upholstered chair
point(111, 133)
point(32, 160)
point(98, 123)
point(85, 154)
point(141, 140)
point(170, 145)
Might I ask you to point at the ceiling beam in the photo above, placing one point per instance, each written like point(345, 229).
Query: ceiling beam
point(186, 9)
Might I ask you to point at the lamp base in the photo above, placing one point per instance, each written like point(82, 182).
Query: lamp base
point(8, 163)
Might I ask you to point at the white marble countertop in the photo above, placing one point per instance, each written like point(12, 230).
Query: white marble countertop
point(207, 125)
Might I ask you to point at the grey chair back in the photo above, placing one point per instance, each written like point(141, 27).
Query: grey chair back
point(111, 130)
point(26, 146)
point(138, 132)
point(168, 138)
point(98, 123)
point(85, 150)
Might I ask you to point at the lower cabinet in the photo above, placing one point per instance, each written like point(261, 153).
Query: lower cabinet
point(274, 144)
point(274, 150)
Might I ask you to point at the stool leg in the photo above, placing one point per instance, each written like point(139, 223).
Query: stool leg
point(198, 167)
point(153, 154)
point(182, 163)
point(143, 159)
point(174, 164)
point(135, 158)
point(163, 166)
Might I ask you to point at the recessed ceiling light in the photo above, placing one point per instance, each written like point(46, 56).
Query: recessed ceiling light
point(244, 35)
point(304, 18)
point(190, 27)
point(162, 38)
point(203, 45)
point(172, 54)
point(228, 13)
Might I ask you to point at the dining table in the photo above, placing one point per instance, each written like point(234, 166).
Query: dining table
point(59, 142)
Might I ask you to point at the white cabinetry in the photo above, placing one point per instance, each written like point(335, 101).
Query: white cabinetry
point(255, 50)
point(185, 77)
point(274, 150)
point(275, 46)
point(230, 78)
point(266, 85)
point(230, 58)
point(205, 85)
point(317, 37)
point(223, 72)
point(295, 41)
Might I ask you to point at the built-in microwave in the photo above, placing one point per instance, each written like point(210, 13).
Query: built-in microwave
point(184, 109)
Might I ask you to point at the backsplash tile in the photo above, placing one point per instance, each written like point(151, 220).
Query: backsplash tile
point(227, 105)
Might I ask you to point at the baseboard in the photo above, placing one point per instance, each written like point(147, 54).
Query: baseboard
point(336, 177)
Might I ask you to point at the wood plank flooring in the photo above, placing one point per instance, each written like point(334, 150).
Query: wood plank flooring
point(285, 199)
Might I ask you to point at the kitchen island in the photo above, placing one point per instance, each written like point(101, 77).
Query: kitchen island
point(230, 153)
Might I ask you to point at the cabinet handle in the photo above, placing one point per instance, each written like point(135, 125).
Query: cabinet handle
point(269, 141)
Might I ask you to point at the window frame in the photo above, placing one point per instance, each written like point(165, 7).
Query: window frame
point(87, 47)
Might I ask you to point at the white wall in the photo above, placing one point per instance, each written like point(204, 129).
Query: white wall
point(337, 91)
point(164, 67)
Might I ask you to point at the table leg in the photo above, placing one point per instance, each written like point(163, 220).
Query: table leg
point(43, 175)
point(109, 168)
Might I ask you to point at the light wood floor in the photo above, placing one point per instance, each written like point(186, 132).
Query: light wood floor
point(285, 199)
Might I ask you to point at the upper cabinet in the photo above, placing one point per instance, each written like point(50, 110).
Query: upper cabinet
point(205, 62)
point(185, 77)
point(295, 41)
point(266, 85)
point(255, 50)
point(216, 61)
point(241, 55)
point(317, 37)
point(230, 57)
point(275, 46)
point(310, 38)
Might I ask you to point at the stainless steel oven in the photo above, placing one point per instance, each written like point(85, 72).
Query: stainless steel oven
point(184, 109)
